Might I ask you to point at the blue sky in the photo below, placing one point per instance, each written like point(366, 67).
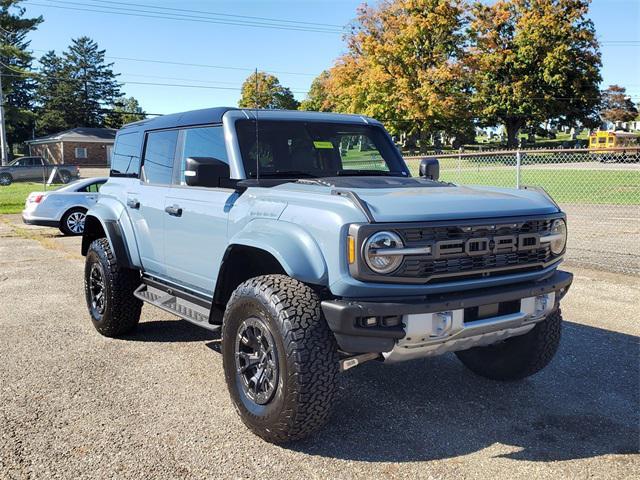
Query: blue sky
point(297, 56)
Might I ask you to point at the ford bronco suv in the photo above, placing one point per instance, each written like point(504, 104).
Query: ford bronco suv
point(305, 240)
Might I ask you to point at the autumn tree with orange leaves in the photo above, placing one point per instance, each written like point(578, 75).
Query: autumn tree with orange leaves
point(444, 64)
point(404, 62)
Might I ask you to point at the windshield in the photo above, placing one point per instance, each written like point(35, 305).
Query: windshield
point(315, 149)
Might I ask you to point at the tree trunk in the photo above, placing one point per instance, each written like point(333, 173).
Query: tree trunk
point(513, 126)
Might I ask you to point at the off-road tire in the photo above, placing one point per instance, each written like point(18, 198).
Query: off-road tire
point(121, 312)
point(64, 228)
point(6, 179)
point(517, 357)
point(306, 351)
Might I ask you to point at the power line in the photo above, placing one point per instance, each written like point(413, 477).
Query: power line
point(278, 20)
point(199, 65)
point(136, 12)
point(124, 82)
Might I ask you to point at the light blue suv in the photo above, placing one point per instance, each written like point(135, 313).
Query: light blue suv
point(303, 238)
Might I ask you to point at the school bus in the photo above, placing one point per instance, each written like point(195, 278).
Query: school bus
point(611, 139)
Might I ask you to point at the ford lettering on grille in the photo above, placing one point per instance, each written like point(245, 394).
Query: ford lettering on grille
point(485, 245)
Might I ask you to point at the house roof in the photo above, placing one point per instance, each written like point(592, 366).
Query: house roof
point(79, 134)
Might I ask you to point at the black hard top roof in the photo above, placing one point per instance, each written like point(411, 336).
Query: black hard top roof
point(214, 115)
point(194, 117)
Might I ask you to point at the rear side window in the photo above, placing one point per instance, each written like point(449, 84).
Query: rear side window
point(159, 153)
point(91, 188)
point(125, 159)
point(202, 142)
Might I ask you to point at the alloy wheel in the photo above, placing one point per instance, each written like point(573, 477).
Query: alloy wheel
point(75, 222)
point(97, 289)
point(256, 360)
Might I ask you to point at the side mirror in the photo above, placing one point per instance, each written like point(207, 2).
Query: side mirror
point(430, 168)
point(205, 172)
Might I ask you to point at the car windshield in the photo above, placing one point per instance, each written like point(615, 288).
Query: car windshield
point(316, 149)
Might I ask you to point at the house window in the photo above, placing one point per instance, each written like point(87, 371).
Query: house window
point(81, 152)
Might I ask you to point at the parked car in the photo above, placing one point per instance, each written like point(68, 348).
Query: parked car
point(64, 208)
point(303, 237)
point(35, 169)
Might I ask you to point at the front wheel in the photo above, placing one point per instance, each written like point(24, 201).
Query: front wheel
point(5, 179)
point(517, 357)
point(109, 291)
point(280, 358)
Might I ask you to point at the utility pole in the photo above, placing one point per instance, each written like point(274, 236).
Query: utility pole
point(4, 153)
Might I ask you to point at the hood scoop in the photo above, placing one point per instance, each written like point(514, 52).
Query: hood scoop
point(373, 182)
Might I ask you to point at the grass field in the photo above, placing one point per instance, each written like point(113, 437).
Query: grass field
point(565, 186)
point(616, 187)
point(12, 198)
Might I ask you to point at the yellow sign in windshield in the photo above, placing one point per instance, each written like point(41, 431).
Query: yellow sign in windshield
point(319, 144)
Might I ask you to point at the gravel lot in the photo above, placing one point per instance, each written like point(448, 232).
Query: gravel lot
point(604, 237)
point(154, 405)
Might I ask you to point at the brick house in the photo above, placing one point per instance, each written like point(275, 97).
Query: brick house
point(78, 146)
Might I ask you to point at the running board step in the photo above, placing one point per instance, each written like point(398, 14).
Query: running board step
point(168, 302)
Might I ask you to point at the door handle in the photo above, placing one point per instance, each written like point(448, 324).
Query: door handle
point(133, 203)
point(174, 210)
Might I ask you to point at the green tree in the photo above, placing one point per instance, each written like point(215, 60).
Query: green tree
point(263, 90)
point(15, 64)
point(76, 89)
point(96, 86)
point(533, 60)
point(404, 66)
point(56, 96)
point(126, 110)
point(617, 106)
point(317, 99)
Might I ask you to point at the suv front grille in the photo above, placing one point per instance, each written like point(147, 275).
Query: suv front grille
point(422, 266)
point(464, 265)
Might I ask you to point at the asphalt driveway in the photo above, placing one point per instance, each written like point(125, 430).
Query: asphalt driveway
point(154, 405)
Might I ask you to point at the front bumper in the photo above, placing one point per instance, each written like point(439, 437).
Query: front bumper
point(345, 316)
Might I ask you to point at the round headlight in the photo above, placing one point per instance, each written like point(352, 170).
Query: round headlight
point(374, 252)
point(558, 227)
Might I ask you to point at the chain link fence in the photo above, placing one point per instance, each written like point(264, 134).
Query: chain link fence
point(600, 192)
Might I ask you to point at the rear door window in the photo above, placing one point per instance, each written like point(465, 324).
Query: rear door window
point(159, 154)
point(125, 158)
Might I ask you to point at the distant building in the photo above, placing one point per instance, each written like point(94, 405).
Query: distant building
point(78, 146)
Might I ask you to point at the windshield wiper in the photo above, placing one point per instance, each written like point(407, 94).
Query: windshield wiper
point(287, 174)
point(368, 173)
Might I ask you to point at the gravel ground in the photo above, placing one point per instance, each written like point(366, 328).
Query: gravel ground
point(75, 405)
point(604, 237)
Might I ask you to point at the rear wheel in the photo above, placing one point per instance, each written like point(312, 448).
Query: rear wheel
point(64, 176)
point(280, 358)
point(109, 291)
point(72, 222)
point(517, 357)
point(5, 179)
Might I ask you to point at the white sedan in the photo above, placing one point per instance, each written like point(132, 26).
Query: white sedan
point(65, 207)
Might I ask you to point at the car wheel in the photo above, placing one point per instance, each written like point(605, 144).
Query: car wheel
point(64, 176)
point(109, 291)
point(517, 357)
point(72, 222)
point(280, 358)
point(5, 179)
